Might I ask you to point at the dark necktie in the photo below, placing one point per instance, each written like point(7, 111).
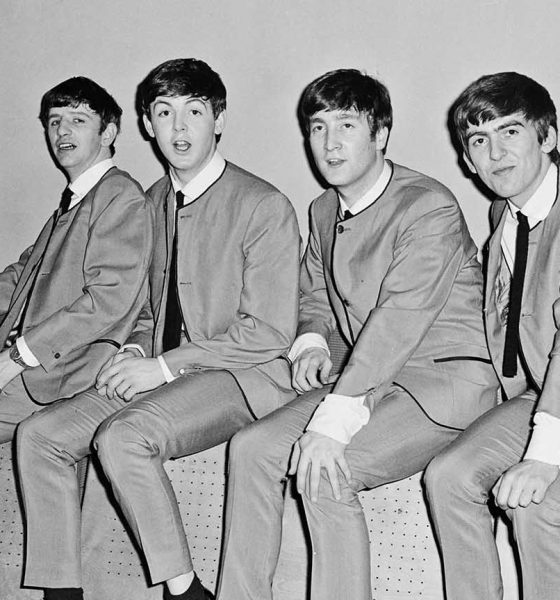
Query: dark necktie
point(347, 214)
point(65, 200)
point(511, 347)
point(173, 317)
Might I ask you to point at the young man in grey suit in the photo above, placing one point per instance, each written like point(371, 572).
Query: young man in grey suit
point(66, 306)
point(506, 124)
point(224, 290)
point(391, 263)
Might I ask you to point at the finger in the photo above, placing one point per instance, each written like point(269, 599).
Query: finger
point(129, 394)
point(496, 491)
point(112, 383)
point(345, 469)
point(313, 481)
point(312, 374)
point(526, 495)
point(122, 388)
point(296, 377)
point(333, 479)
point(539, 493)
point(102, 391)
point(325, 371)
point(294, 459)
point(302, 468)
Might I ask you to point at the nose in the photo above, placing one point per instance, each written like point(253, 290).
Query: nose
point(63, 127)
point(497, 149)
point(332, 141)
point(179, 120)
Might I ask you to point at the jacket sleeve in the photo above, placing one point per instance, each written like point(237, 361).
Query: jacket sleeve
point(428, 254)
point(9, 279)
point(549, 400)
point(267, 314)
point(316, 315)
point(114, 271)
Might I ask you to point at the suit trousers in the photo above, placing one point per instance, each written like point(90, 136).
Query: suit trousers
point(398, 441)
point(186, 416)
point(459, 483)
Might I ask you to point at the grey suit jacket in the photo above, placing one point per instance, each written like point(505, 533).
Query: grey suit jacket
point(88, 272)
point(402, 280)
point(237, 275)
point(540, 309)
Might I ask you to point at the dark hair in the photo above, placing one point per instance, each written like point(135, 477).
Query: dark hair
point(500, 95)
point(183, 77)
point(346, 89)
point(81, 90)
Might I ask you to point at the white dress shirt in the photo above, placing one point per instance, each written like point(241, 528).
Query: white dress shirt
point(341, 417)
point(79, 188)
point(545, 439)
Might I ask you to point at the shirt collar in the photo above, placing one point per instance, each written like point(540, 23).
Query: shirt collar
point(538, 206)
point(201, 182)
point(85, 182)
point(372, 194)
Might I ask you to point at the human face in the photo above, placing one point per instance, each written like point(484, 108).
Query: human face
point(76, 139)
point(507, 155)
point(185, 130)
point(345, 152)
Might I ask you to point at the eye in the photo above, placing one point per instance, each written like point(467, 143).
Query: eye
point(510, 132)
point(196, 112)
point(54, 122)
point(164, 112)
point(348, 125)
point(477, 141)
point(79, 120)
point(316, 128)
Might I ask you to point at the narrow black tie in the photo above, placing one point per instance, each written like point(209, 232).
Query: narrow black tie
point(347, 214)
point(173, 317)
point(65, 200)
point(511, 348)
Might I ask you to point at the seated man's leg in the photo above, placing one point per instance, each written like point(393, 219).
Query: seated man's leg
point(537, 532)
point(15, 405)
point(49, 443)
point(398, 441)
point(258, 464)
point(188, 415)
point(459, 482)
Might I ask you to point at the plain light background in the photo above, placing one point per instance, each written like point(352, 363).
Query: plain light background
point(425, 51)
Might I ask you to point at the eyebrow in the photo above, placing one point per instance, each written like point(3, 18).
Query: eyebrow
point(512, 123)
point(81, 113)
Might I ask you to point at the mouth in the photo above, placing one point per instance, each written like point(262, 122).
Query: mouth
point(334, 162)
point(502, 171)
point(65, 146)
point(181, 145)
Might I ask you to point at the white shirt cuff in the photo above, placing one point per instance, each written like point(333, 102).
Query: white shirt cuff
point(169, 377)
point(545, 439)
point(126, 347)
point(305, 341)
point(339, 417)
point(25, 353)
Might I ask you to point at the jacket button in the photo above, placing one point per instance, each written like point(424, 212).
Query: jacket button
point(340, 229)
point(57, 355)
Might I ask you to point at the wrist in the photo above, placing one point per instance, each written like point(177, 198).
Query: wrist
point(16, 357)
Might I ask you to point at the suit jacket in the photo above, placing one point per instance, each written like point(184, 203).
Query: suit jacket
point(402, 280)
point(237, 277)
point(540, 309)
point(87, 274)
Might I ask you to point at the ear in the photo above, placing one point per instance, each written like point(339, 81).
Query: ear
point(549, 143)
point(381, 138)
point(148, 125)
point(220, 123)
point(469, 163)
point(108, 135)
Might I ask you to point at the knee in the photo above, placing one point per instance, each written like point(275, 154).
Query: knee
point(251, 448)
point(113, 440)
point(36, 438)
point(451, 475)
